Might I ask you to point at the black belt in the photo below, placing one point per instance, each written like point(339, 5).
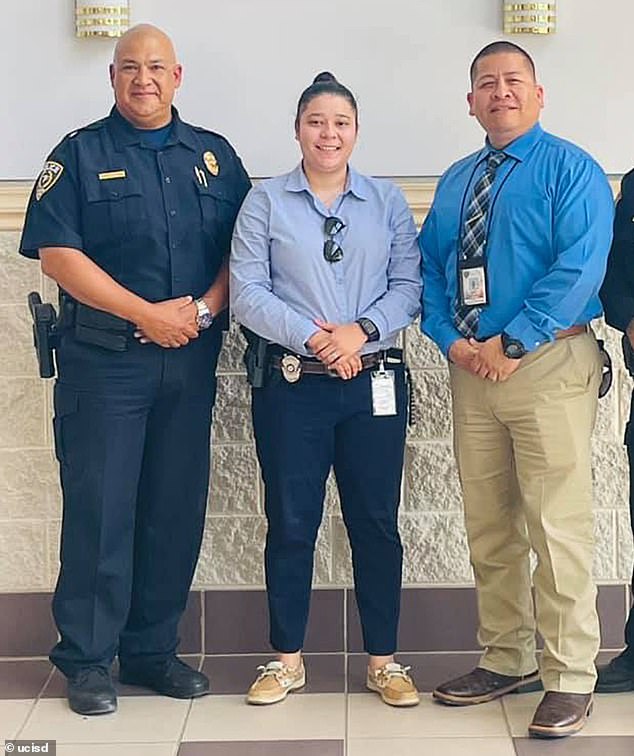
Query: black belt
point(292, 366)
point(92, 326)
point(311, 366)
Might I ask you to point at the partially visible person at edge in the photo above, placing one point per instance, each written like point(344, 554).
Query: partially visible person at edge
point(325, 269)
point(617, 295)
point(132, 217)
point(514, 252)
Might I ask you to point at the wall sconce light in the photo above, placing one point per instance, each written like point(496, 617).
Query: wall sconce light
point(108, 19)
point(530, 18)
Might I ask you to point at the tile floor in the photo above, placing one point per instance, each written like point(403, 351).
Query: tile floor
point(329, 718)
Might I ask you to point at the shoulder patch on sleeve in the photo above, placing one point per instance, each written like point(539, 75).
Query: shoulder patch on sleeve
point(48, 177)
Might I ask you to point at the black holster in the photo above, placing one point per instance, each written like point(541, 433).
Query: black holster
point(606, 375)
point(45, 333)
point(255, 358)
point(628, 354)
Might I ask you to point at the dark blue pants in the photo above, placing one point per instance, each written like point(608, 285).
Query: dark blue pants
point(629, 441)
point(132, 438)
point(302, 430)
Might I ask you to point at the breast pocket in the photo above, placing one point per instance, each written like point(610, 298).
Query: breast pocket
point(115, 209)
point(218, 210)
point(527, 223)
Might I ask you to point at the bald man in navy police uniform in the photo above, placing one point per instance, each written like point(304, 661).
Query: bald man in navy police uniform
point(132, 217)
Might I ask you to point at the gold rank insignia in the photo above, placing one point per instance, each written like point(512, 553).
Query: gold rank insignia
point(211, 163)
point(107, 175)
point(49, 176)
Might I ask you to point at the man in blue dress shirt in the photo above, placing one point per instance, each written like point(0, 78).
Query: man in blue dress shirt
point(132, 217)
point(514, 252)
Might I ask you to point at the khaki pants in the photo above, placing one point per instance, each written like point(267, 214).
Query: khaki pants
point(523, 453)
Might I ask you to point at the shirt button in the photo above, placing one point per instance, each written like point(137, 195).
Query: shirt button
point(172, 213)
point(168, 180)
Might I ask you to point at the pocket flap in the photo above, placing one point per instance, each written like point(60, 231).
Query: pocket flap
point(111, 190)
point(216, 190)
point(65, 400)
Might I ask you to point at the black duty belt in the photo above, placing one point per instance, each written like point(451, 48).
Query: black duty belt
point(92, 326)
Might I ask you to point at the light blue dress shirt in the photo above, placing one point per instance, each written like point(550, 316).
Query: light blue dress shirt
point(549, 233)
point(280, 281)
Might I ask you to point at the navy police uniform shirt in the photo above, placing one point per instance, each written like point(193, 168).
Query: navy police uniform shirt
point(617, 292)
point(159, 221)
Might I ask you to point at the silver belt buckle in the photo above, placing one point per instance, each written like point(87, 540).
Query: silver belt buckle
point(291, 367)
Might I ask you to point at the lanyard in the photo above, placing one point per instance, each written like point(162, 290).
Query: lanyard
point(494, 196)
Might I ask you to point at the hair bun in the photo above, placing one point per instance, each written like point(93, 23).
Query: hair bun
point(324, 76)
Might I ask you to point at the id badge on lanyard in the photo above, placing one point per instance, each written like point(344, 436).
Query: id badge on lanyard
point(472, 274)
point(472, 278)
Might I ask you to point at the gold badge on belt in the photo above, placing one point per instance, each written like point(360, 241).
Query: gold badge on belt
point(211, 163)
point(291, 367)
point(48, 178)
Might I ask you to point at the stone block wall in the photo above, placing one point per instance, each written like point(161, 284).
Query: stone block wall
point(431, 519)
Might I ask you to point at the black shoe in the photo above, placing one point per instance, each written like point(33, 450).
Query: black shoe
point(169, 677)
point(617, 676)
point(90, 691)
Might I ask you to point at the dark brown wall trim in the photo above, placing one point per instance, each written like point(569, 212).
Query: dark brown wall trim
point(221, 622)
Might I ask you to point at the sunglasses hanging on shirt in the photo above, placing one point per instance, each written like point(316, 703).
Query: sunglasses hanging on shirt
point(332, 251)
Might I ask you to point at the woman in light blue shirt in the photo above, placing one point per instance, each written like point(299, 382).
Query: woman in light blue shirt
point(324, 275)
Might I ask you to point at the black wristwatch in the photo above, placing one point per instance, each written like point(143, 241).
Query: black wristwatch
point(513, 348)
point(370, 330)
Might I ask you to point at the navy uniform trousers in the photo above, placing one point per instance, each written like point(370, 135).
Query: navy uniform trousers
point(132, 439)
point(629, 441)
point(302, 430)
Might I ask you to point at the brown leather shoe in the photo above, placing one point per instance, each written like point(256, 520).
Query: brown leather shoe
point(560, 714)
point(482, 685)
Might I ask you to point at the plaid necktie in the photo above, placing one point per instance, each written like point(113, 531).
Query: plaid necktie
point(474, 238)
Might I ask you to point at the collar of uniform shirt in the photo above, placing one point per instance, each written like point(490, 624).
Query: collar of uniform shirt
point(125, 134)
point(355, 183)
point(518, 148)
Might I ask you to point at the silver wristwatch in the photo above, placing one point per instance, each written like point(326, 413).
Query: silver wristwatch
point(204, 318)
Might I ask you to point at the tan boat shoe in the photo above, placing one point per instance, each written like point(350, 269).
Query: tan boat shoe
point(275, 681)
point(393, 684)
